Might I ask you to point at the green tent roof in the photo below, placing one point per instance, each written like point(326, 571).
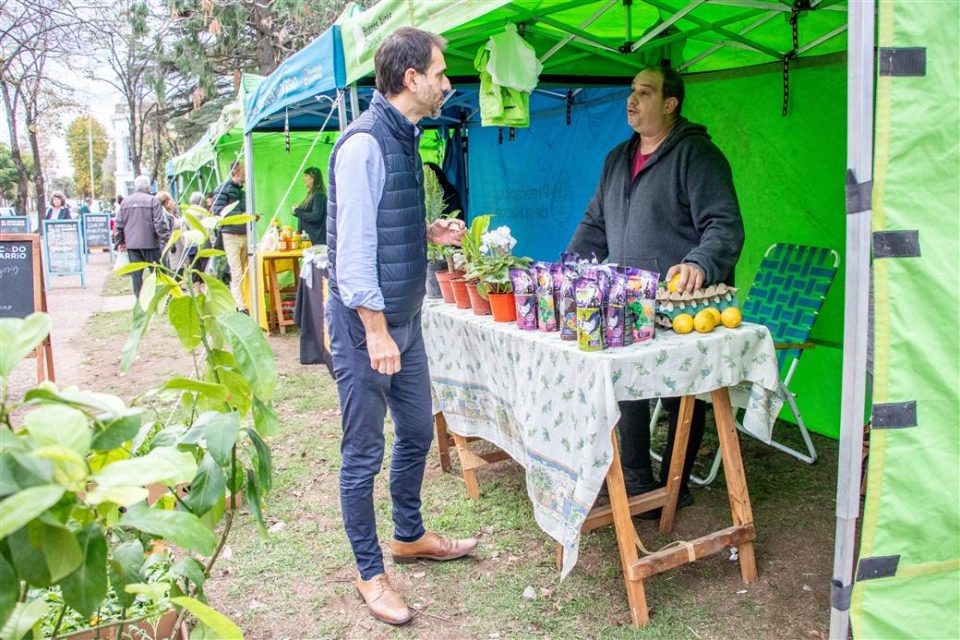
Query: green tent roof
point(608, 38)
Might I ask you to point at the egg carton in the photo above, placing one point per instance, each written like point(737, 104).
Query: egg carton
point(670, 305)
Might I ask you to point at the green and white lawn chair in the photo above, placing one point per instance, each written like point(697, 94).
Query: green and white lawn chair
point(786, 296)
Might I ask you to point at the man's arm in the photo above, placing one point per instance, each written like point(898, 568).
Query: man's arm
point(715, 212)
point(591, 233)
point(119, 240)
point(360, 176)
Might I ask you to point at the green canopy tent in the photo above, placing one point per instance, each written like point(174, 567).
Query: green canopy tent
point(788, 94)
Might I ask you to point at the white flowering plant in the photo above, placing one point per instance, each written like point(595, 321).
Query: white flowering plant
point(492, 264)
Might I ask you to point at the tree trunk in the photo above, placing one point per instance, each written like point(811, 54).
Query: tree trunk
point(23, 174)
point(38, 183)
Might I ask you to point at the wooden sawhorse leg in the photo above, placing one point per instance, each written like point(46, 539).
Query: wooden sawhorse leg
point(470, 461)
point(443, 441)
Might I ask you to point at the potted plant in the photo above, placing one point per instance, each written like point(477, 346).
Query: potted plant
point(472, 249)
point(436, 254)
point(492, 272)
point(76, 530)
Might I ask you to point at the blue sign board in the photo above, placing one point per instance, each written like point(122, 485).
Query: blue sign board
point(63, 249)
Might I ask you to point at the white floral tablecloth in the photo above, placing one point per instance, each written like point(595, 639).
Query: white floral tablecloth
point(552, 406)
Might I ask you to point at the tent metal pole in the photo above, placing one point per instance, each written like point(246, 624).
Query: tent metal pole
point(860, 101)
point(342, 111)
point(253, 282)
point(663, 26)
point(354, 102)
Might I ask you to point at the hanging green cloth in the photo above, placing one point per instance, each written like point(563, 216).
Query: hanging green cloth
point(509, 70)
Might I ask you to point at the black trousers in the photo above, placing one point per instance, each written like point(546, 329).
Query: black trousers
point(141, 255)
point(634, 426)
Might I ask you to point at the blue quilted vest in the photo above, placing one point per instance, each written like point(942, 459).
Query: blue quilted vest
point(401, 228)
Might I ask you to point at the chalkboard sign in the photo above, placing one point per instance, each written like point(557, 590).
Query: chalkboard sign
point(14, 224)
point(96, 230)
point(63, 249)
point(19, 275)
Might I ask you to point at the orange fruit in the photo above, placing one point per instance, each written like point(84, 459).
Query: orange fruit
point(672, 285)
point(731, 317)
point(703, 322)
point(715, 313)
point(683, 323)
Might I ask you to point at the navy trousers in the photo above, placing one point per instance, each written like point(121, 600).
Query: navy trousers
point(365, 396)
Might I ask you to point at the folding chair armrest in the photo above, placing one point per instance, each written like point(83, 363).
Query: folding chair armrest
point(793, 345)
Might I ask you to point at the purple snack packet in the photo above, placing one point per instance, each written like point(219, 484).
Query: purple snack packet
point(556, 275)
point(567, 311)
point(641, 302)
point(525, 298)
point(589, 317)
point(546, 311)
point(614, 313)
point(569, 257)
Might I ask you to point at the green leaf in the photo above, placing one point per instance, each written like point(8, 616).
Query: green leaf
point(10, 441)
point(148, 290)
point(23, 619)
point(263, 464)
point(85, 588)
point(254, 357)
point(47, 393)
point(219, 625)
point(9, 590)
point(68, 466)
point(207, 486)
point(26, 470)
point(253, 499)
point(141, 320)
point(265, 418)
point(118, 431)
point(59, 425)
point(155, 591)
point(179, 527)
point(26, 555)
point(121, 496)
point(20, 337)
point(193, 219)
point(124, 569)
point(212, 517)
point(240, 394)
point(185, 321)
point(172, 241)
point(217, 300)
point(132, 267)
point(230, 207)
point(22, 507)
point(210, 253)
point(220, 431)
point(190, 569)
point(163, 465)
point(240, 218)
point(214, 391)
point(62, 551)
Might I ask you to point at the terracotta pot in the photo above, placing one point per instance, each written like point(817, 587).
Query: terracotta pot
point(480, 306)
point(141, 629)
point(460, 293)
point(503, 306)
point(433, 285)
point(446, 288)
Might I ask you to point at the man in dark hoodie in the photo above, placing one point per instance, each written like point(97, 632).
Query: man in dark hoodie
point(666, 203)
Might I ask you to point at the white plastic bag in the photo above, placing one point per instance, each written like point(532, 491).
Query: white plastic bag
point(123, 259)
point(270, 241)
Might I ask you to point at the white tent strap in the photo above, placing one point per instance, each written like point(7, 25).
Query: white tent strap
point(306, 157)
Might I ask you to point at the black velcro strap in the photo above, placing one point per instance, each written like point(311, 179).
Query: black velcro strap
point(895, 415)
point(877, 567)
point(903, 61)
point(859, 194)
point(840, 595)
point(896, 244)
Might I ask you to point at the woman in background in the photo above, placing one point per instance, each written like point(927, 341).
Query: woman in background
point(312, 212)
point(58, 209)
point(175, 254)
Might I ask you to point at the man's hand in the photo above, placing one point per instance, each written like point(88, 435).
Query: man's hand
point(384, 354)
point(446, 231)
point(691, 276)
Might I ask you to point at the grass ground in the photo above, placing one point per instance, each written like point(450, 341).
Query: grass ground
point(296, 582)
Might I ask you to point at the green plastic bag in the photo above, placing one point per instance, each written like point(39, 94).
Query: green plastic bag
point(509, 70)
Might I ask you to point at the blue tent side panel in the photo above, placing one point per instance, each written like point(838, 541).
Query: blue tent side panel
point(534, 184)
point(292, 88)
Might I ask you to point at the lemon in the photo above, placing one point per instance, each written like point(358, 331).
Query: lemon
point(731, 317)
point(672, 285)
point(715, 314)
point(683, 323)
point(703, 322)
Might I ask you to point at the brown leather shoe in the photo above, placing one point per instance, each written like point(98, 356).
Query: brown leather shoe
point(431, 546)
point(382, 600)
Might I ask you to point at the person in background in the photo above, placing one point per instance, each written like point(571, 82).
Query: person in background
point(208, 201)
point(451, 197)
point(234, 235)
point(86, 206)
point(175, 254)
point(142, 228)
point(312, 212)
point(197, 200)
point(58, 209)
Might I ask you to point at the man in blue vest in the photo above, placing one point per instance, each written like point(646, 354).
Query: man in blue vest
point(376, 238)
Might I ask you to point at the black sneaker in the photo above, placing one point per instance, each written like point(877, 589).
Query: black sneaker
point(685, 499)
point(636, 481)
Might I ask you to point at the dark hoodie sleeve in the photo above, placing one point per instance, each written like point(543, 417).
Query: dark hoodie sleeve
point(715, 212)
point(591, 233)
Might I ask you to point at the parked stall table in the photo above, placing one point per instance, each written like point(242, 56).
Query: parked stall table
point(272, 264)
point(552, 408)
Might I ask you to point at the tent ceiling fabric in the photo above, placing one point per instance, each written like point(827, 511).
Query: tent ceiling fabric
point(608, 38)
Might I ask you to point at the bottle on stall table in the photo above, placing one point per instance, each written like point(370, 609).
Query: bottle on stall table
point(305, 241)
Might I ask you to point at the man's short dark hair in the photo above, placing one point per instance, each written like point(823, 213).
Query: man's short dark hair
point(672, 84)
point(405, 48)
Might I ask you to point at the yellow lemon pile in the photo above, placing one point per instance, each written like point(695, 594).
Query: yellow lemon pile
point(707, 320)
